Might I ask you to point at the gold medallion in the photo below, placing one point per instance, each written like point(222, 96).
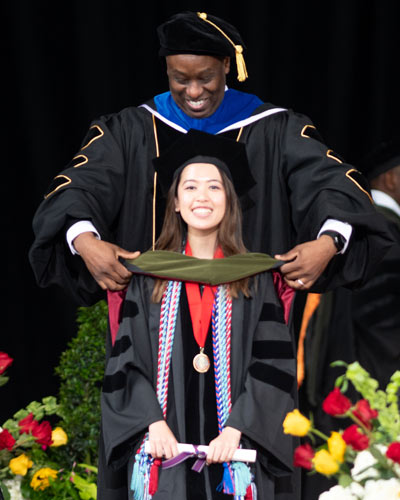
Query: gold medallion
point(201, 362)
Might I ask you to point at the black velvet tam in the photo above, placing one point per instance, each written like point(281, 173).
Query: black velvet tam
point(201, 147)
point(187, 33)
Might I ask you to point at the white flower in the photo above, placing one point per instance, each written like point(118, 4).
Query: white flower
point(388, 489)
point(338, 493)
point(363, 466)
point(357, 490)
point(14, 488)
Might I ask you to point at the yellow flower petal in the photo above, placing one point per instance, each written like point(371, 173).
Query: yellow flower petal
point(324, 463)
point(59, 437)
point(20, 465)
point(296, 424)
point(40, 480)
point(336, 446)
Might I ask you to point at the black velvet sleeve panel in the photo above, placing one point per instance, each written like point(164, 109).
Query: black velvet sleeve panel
point(129, 401)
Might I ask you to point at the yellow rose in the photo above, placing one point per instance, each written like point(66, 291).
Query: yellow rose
point(59, 437)
point(40, 480)
point(324, 463)
point(336, 446)
point(20, 465)
point(296, 424)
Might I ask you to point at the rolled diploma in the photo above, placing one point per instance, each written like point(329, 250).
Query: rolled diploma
point(240, 455)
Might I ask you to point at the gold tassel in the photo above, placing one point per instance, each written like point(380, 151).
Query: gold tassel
point(240, 64)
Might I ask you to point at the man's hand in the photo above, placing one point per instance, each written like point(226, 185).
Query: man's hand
point(162, 440)
point(306, 262)
point(101, 259)
point(222, 448)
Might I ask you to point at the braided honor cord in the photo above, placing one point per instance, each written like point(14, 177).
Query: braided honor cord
point(169, 308)
point(221, 330)
point(237, 478)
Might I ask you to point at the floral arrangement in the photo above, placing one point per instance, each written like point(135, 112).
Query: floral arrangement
point(364, 458)
point(48, 448)
point(5, 362)
point(30, 467)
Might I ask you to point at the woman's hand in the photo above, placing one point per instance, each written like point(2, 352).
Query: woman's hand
point(222, 448)
point(162, 440)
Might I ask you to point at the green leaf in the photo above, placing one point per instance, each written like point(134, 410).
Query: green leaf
point(5, 492)
point(26, 490)
point(21, 414)
point(37, 409)
point(3, 380)
point(345, 480)
point(379, 457)
point(50, 405)
point(87, 491)
point(89, 467)
point(11, 425)
point(339, 381)
point(338, 363)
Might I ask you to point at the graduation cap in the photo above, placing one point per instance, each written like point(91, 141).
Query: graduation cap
point(202, 34)
point(383, 158)
point(200, 147)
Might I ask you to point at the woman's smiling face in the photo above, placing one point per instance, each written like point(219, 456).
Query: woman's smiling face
point(201, 198)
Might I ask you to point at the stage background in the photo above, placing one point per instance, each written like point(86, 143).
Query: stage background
point(66, 63)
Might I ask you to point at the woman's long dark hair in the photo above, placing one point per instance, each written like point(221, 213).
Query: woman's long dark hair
point(229, 238)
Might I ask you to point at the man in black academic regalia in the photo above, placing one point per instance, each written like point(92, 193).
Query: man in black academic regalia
point(307, 206)
point(303, 188)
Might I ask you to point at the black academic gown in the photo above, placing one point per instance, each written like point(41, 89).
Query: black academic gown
point(263, 385)
point(299, 184)
point(361, 325)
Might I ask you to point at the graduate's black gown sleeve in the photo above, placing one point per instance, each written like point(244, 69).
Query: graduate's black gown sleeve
point(264, 387)
point(268, 377)
point(129, 400)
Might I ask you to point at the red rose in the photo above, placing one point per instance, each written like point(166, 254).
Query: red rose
point(303, 455)
point(6, 440)
point(393, 452)
point(355, 438)
point(5, 362)
point(365, 413)
point(336, 403)
point(27, 424)
point(42, 433)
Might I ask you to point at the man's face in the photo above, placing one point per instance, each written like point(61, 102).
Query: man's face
point(197, 83)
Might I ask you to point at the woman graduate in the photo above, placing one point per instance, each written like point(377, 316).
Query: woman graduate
point(203, 354)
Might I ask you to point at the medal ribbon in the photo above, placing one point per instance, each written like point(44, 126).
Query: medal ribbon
point(200, 306)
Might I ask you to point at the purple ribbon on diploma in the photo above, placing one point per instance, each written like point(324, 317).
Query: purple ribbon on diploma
point(197, 466)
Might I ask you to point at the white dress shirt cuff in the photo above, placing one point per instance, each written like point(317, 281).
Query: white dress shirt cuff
point(83, 226)
point(340, 227)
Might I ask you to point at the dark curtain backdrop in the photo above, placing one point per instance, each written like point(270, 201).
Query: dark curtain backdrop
point(66, 63)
